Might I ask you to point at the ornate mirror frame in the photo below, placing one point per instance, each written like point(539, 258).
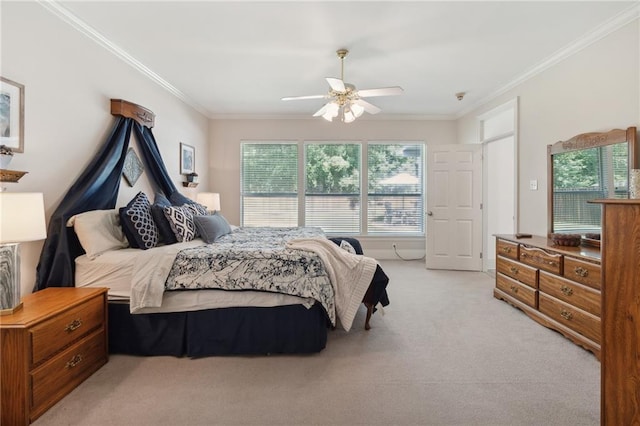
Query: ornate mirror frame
point(588, 141)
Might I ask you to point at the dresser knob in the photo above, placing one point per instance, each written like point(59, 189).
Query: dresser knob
point(506, 249)
point(566, 314)
point(581, 271)
point(514, 289)
point(513, 270)
point(567, 291)
point(73, 325)
point(77, 359)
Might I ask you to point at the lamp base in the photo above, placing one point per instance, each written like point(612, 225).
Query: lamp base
point(10, 310)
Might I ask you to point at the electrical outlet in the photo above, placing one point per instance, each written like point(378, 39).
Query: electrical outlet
point(394, 246)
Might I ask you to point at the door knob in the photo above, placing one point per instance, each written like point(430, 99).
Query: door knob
point(429, 213)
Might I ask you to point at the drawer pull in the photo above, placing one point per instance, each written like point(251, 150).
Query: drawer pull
point(73, 325)
point(566, 314)
point(506, 249)
point(513, 270)
point(538, 259)
point(77, 359)
point(514, 289)
point(581, 271)
point(566, 290)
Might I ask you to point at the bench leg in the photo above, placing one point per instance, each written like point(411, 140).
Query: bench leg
point(369, 312)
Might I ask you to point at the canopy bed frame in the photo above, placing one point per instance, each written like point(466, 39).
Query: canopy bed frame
point(219, 331)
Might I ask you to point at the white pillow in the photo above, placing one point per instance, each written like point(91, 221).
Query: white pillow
point(98, 231)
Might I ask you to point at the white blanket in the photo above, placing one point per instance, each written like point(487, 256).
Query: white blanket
point(350, 274)
point(150, 272)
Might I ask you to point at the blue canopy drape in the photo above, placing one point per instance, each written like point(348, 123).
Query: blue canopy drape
point(96, 189)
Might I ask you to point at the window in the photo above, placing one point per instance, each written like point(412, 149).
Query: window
point(269, 184)
point(395, 188)
point(374, 188)
point(332, 187)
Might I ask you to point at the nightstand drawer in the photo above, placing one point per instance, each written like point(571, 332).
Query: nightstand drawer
point(57, 377)
point(64, 329)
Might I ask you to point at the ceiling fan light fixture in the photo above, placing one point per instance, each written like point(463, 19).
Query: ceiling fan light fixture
point(344, 99)
point(357, 109)
point(348, 116)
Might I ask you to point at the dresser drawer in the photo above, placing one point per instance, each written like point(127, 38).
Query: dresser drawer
point(576, 319)
point(583, 272)
point(58, 376)
point(573, 293)
point(517, 290)
point(507, 249)
point(65, 328)
point(518, 271)
point(539, 258)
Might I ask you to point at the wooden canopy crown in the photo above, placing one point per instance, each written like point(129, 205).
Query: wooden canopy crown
point(128, 109)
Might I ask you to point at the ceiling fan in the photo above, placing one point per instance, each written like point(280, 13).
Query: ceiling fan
point(345, 100)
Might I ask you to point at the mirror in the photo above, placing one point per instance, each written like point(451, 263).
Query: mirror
point(586, 167)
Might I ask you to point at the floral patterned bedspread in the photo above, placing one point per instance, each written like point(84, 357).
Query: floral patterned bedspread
point(256, 259)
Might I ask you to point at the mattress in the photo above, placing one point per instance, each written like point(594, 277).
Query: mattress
point(113, 269)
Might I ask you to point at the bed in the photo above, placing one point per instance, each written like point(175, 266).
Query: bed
point(194, 315)
point(253, 291)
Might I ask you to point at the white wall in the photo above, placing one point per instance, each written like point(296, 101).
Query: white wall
point(69, 81)
point(597, 89)
point(224, 163)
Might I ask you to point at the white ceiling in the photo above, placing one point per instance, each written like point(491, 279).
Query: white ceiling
point(237, 59)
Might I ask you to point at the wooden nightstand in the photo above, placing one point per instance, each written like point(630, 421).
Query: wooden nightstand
point(57, 340)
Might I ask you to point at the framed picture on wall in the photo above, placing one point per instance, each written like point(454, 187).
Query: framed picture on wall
point(12, 115)
point(187, 159)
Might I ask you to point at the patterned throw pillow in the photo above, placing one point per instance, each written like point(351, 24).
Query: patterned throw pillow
point(345, 245)
point(138, 224)
point(181, 220)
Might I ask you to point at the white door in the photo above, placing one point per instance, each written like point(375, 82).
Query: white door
point(454, 207)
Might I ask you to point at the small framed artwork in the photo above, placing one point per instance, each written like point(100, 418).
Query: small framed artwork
point(12, 115)
point(187, 159)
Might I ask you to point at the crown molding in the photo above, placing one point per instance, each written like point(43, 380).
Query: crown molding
point(377, 117)
point(65, 14)
point(601, 31)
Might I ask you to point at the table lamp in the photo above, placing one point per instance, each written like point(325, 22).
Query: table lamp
point(211, 200)
point(21, 220)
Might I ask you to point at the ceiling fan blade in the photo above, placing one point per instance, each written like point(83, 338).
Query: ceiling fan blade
point(322, 110)
point(383, 91)
point(298, 98)
point(336, 84)
point(370, 108)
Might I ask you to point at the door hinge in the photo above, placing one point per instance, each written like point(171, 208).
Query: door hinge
point(480, 255)
point(480, 206)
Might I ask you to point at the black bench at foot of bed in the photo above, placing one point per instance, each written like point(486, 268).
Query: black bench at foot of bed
point(225, 331)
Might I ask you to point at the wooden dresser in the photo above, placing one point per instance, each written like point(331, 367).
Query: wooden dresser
point(52, 344)
point(557, 286)
point(620, 370)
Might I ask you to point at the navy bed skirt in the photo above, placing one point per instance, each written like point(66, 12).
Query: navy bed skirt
point(225, 331)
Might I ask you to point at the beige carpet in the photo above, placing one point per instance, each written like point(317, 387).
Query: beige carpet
point(445, 353)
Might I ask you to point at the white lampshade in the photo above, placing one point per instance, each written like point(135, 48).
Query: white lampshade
point(211, 200)
point(22, 217)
